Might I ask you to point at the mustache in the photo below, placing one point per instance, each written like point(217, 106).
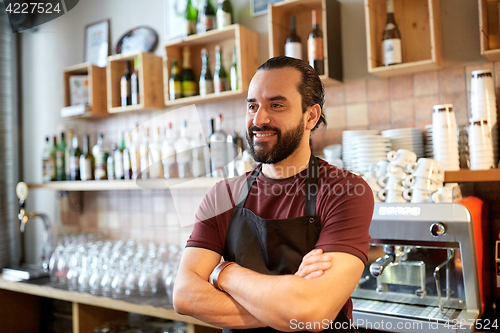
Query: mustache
point(264, 128)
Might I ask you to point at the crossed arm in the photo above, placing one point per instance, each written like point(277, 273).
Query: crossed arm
point(316, 292)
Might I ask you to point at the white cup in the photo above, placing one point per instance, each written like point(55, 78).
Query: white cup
point(423, 183)
point(457, 192)
point(375, 197)
point(427, 168)
point(443, 195)
point(396, 171)
point(373, 183)
point(402, 157)
point(480, 132)
point(392, 183)
point(417, 195)
point(391, 196)
point(380, 169)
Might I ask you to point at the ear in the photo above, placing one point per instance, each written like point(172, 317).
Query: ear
point(312, 116)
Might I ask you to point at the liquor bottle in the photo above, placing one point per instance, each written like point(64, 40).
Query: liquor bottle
point(220, 76)
point(60, 159)
point(198, 147)
point(234, 71)
point(110, 162)
point(127, 163)
point(187, 76)
point(391, 43)
point(74, 160)
point(218, 149)
point(86, 161)
point(224, 14)
point(206, 18)
point(46, 169)
point(293, 45)
point(118, 157)
point(168, 154)
point(240, 147)
point(134, 83)
point(125, 86)
point(53, 160)
point(315, 46)
point(191, 18)
point(208, 159)
point(206, 79)
point(183, 153)
point(67, 155)
point(100, 169)
point(175, 83)
point(135, 153)
point(156, 167)
point(144, 153)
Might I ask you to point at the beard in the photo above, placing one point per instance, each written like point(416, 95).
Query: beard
point(285, 146)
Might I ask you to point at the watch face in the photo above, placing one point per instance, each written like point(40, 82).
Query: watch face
point(140, 39)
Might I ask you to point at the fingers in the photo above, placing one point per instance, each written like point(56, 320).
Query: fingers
point(314, 275)
point(313, 268)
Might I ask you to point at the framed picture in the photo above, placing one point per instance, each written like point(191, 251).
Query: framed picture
point(97, 43)
point(259, 7)
point(175, 23)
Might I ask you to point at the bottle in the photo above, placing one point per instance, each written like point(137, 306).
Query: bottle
point(206, 18)
point(218, 149)
point(220, 76)
point(391, 42)
point(206, 79)
point(240, 147)
point(74, 160)
point(183, 153)
point(135, 153)
point(315, 46)
point(67, 154)
point(125, 86)
point(46, 167)
point(86, 161)
point(168, 154)
point(100, 169)
point(156, 167)
point(144, 153)
point(198, 147)
point(191, 18)
point(293, 45)
point(60, 159)
point(234, 71)
point(224, 14)
point(127, 163)
point(53, 160)
point(187, 76)
point(118, 157)
point(110, 162)
point(174, 83)
point(134, 83)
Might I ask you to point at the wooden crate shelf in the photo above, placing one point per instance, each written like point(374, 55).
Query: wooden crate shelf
point(419, 22)
point(243, 38)
point(97, 107)
point(468, 176)
point(489, 29)
point(279, 29)
point(150, 82)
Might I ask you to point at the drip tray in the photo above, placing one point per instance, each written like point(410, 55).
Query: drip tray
point(405, 310)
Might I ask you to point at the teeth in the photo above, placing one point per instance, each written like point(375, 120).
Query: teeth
point(259, 135)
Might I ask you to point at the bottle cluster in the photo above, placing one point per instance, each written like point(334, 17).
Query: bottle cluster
point(207, 18)
point(129, 84)
point(145, 154)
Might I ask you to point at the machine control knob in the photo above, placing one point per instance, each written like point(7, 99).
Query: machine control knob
point(438, 229)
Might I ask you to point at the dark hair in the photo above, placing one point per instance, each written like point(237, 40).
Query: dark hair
point(310, 87)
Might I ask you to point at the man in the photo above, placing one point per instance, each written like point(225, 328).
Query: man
point(293, 232)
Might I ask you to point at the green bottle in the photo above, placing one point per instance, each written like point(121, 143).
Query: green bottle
point(220, 76)
point(206, 79)
point(234, 71)
point(53, 161)
point(61, 159)
point(174, 83)
point(207, 18)
point(188, 80)
point(224, 14)
point(74, 160)
point(191, 18)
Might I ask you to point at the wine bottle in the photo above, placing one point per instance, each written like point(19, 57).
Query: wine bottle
point(144, 153)
point(67, 155)
point(191, 18)
point(218, 150)
point(74, 160)
point(183, 153)
point(61, 159)
point(118, 157)
point(100, 171)
point(86, 161)
point(156, 167)
point(134, 83)
point(293, 45)
point(110, 162)
point(234, 71)
point(224, 14)
point(315, 46)
point(207, 20)
point(220, 76)
point(187, 76)
point(46, 172)
point(174, 83)
point(125, 86)
point(127, 163)
point(168, 154)
point(206, 79)
point(53, 161)
point(391, 42)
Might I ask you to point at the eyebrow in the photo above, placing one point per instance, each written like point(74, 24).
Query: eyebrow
point(271, 99)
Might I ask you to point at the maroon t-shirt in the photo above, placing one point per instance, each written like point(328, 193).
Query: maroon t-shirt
point(344, 203)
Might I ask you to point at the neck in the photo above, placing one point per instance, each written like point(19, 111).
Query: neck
point(290, 166)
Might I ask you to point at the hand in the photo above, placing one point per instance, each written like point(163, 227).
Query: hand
point(314, 264)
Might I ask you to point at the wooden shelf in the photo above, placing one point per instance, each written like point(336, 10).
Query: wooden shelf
point(419, 22)
point(141, 184)
point(468, 176)
point(279, 29)
point(489, 29)
point(237, 35)
point(97, 107)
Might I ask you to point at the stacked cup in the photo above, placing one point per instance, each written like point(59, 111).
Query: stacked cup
point(480, 145)
point(427, 176)
point(374, 172)
point(394, 183)
point(445, 136)
point(483, 104)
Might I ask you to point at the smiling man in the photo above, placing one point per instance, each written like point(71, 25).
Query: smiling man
point(293, 232)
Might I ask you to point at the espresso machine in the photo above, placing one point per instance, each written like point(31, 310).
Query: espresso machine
point(421, 274)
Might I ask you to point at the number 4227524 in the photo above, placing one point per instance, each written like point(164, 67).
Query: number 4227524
point(32, 7)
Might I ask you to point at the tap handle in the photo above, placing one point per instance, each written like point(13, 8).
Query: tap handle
point(22, 191)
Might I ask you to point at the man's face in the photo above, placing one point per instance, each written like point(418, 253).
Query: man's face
point(275, 122)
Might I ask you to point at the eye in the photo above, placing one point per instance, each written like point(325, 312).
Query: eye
point(251, 108)
point(276, 105)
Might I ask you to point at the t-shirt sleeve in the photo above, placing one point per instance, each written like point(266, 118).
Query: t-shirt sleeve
point(347, 210)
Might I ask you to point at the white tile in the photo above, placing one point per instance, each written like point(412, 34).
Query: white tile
point(335, 116)
point(357, 115)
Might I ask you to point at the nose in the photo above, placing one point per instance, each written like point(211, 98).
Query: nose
point(261, 117)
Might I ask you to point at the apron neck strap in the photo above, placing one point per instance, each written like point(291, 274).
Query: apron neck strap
point(312, 188)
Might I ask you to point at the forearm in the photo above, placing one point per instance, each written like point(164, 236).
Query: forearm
point(196, 297)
